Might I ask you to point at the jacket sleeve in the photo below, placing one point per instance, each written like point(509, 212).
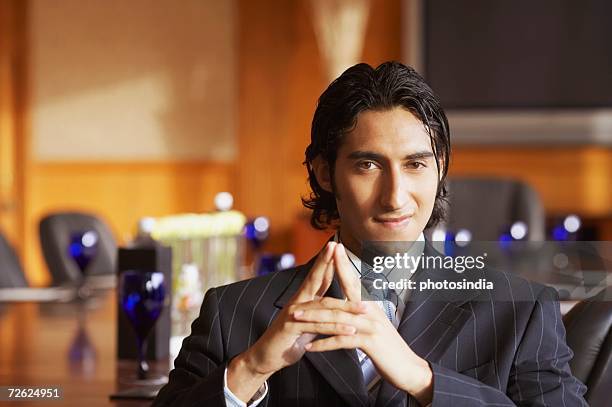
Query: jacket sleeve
point(540, 374)
point(198, 375)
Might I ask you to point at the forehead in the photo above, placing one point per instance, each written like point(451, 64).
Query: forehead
point(393, 132)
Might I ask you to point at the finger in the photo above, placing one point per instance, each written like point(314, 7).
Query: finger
point(303, 339)
point(355, 307)
point(360, 322)
point(322, 328)
point(351, 286)
point(328, 277)
point(334, 343)
point(313, 281)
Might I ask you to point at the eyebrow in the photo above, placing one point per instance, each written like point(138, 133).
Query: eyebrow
point(371, 155)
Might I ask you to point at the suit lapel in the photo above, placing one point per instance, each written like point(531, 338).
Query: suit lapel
point(431, 320)
point(340, 368)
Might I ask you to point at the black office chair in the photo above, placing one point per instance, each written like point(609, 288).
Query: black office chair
point(589, 335)
point(55, 232)
point(487, 207)
point(11, 273)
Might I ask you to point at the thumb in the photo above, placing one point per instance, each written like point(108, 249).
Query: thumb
point(328, 277)
point(350, 283)
point(316, 278)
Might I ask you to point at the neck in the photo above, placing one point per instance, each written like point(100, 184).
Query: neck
point(355, 246)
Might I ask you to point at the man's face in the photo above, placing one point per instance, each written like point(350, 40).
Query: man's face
point(386, 178)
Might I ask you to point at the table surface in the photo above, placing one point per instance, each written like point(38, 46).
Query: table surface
point(35, 340)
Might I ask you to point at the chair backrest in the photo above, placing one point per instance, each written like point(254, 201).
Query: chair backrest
point(55, 232)
point(11, 273)
point(589, 334)
point(487, 207)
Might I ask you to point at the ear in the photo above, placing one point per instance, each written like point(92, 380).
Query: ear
point(322, 172)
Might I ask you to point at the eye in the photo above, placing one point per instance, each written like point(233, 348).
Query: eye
point(366, 165)
point(416, 165)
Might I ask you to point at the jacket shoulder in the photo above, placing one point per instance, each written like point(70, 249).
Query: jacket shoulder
point(509, 285)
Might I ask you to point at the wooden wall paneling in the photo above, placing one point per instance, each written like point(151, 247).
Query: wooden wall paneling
point(383, 40)
point(13, 132)
point(279, 81)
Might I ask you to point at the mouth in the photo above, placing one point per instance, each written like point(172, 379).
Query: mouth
point(393, 222)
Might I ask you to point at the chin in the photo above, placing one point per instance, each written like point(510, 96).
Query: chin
point(384, 234)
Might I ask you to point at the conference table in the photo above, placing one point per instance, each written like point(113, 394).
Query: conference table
point(38, 338)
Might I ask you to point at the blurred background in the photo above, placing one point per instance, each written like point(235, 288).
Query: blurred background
point(138, 113)
point(128, 109)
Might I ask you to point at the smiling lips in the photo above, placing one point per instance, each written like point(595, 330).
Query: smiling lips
point(395, 222)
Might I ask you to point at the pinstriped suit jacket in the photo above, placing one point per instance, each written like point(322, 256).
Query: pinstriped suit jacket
point(482, 351)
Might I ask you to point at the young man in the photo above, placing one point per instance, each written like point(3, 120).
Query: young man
point(377, 162)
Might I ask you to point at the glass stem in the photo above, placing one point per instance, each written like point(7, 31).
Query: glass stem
point(143, 367)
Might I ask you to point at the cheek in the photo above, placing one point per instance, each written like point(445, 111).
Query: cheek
point(354, 195)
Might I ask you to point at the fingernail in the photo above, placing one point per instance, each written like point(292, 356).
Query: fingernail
point(329, 249)
point(350, 329)
point(308, 346)
point(298, 314)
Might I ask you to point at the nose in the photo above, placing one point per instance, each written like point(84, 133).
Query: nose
point(395, 191)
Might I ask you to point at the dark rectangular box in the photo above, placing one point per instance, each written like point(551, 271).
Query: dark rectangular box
point(145, 257)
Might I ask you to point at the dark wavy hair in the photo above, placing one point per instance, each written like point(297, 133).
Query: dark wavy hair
point(362, 88)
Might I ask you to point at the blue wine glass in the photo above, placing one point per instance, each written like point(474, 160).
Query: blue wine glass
point(83, 248)
point(142, 296)
point(257, 231)
point(269, 263)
